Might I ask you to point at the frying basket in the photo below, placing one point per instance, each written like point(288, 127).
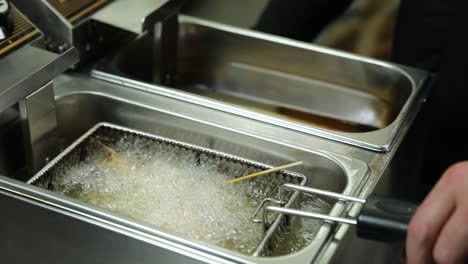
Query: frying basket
point(104, 134)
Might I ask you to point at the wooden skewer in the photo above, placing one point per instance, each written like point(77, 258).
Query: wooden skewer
point(256, 174)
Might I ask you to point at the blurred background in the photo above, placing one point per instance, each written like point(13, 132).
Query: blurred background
point(366, 28)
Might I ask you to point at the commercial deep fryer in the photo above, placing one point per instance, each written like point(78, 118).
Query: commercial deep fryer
point(147, 84)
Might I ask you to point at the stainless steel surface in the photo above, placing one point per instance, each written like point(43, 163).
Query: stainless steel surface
point(84, 146)
point(82, 102)
point(44, 16)
point(39, 123)
point(28, 69)
point(216, 60)
point(136, 18)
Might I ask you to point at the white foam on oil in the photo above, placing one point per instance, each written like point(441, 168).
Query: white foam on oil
point(160, 186)
point(170, 188)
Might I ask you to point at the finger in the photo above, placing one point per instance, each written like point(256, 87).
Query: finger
point(425, 227)
point(452, 244)
point(431, 216)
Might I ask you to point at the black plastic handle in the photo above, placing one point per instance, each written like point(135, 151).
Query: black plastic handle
point(384, 219)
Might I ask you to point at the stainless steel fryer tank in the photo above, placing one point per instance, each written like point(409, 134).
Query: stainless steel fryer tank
point(323, 92)
point(64, 229)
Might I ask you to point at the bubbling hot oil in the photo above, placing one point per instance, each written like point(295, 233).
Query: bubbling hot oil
point(171, 189)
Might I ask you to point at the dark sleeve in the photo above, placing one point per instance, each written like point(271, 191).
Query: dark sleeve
point(433, 35)
point(422, 30)
point(299, 19)
point(447, 107)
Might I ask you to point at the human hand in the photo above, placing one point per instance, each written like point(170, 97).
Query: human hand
point(439, 229)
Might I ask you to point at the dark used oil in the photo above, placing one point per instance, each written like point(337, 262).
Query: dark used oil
point(322, 121)
point(295, 115)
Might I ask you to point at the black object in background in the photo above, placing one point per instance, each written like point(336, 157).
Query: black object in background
point(299, 19)
point(433, 35)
